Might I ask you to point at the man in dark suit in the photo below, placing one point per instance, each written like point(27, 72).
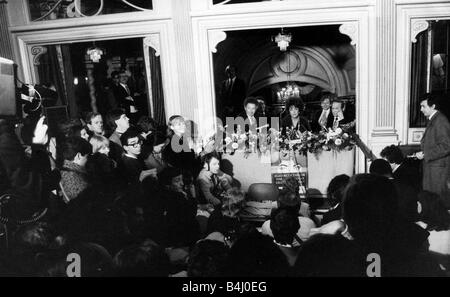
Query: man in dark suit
point(251, 121)
point(435, 146)
point(339, 119)
point(403, 170)
point(406, 194)
point(232, 93)
point(323, 116)
point(123, 96)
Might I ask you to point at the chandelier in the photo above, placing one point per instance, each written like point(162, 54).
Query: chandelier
point(283, 40)
point(291, 90)
point(95, 53)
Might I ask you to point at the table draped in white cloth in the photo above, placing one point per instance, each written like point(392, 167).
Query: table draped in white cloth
point(253, 168)
point(326, 165)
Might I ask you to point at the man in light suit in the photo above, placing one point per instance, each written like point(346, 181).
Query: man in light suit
point(323, 116)
point(435, 146)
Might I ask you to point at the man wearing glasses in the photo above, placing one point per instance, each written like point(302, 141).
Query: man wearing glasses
point(133, 167)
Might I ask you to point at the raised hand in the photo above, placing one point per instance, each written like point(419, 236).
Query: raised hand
point(40, 132)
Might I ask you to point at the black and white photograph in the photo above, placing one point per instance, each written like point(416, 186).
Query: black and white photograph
point(226, 146)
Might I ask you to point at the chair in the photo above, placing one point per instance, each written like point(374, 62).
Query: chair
point(262, 192)
point(257, 209)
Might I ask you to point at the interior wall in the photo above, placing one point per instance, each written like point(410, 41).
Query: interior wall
point(329, 62)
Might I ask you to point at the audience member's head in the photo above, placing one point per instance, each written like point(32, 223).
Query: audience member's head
point(93, 261)
point(177, 125)
point(94, 121)
point(99, 144)
point(250, 105)
point(100, 169)
point(289, 200)
point(232, 203)
point(336, 187)
point(76, 150)
point(71, 128)
point(255, 255)
point(381, 167)
point(171, 178)
point(433, 212)
point(291, 184)
point(208, 258)
point(142, 260)
point(211, 162)
point(158, 141)
point(117, 120)
point(37, 236)
point(28, 242)
point(284, 225)
point(370, 208)
point(147, 124)
point(392, 154)
point(131, 142)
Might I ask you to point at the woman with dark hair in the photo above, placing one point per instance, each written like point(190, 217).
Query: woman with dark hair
point(294, 120)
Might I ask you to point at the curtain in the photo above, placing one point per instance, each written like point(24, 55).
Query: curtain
point(51, 71)
point(419, 67)
point(5, 44)
point(159, 114)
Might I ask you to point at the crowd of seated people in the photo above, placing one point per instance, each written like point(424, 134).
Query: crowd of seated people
point(138, 200)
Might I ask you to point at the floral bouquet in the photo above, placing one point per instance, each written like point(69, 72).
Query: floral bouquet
point(331, 140)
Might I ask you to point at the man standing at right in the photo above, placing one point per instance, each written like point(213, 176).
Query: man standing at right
point(435, 146)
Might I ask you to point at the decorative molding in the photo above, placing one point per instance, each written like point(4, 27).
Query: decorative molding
point(37, 51)
point(153, 42)
point(418, 26)
point(351, 30)
point(214, 38)
point(385, 69)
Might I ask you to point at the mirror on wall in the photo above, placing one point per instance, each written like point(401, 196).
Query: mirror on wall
point(94, 75)
point(430, 71)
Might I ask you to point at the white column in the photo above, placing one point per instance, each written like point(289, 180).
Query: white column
point(5, 44)
point(384, 131)
point(184, 44)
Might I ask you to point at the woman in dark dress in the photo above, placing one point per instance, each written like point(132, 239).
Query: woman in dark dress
point(294, 120)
